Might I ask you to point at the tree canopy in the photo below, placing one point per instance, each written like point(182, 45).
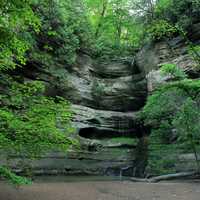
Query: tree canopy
point(103, 27)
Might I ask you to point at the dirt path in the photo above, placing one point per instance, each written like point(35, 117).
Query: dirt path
point(98, 190)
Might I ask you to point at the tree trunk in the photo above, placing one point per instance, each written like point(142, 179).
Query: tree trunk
point(102, 15)
point(165, 177)
point(195, 154)
point(141, 157)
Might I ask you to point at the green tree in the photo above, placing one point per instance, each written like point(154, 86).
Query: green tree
point(173, 112)
point(144, 8)
point(187, 124)
point(16, 17)
point(115, 28)
point(30, 123)
point(64, 32)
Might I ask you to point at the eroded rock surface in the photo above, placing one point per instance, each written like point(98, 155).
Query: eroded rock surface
point(173, 51)
point(105, 98)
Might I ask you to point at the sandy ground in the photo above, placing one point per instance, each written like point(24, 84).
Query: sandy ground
point(101, 190)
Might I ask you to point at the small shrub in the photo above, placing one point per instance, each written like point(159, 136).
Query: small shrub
point(161, 29)
point(173, 71)
point(194, 51)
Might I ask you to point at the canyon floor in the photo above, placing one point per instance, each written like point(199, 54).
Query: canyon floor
point(50, 189)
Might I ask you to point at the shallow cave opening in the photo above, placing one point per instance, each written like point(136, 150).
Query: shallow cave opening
point(95, 133)
point(136, 130)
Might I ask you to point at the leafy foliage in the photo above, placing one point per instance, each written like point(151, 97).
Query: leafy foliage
point(173, 113)
point(164, 18)
point(162, 105)
point(162, 156)
point(115, 29)
point(108, 28)
point(64, 31)
point(182, 13)
point(160, 29)
point(51, 31)
point(31, 123)
point(16, 18)
point(194, 51)
point(13, 178)
point(166, 101)
point(185, 126)
point(173, 71)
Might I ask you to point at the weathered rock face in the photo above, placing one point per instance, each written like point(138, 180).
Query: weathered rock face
point(85, 117)
point(122, 93)
point(174, 51)
point(105, 99)
point(93, 85)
